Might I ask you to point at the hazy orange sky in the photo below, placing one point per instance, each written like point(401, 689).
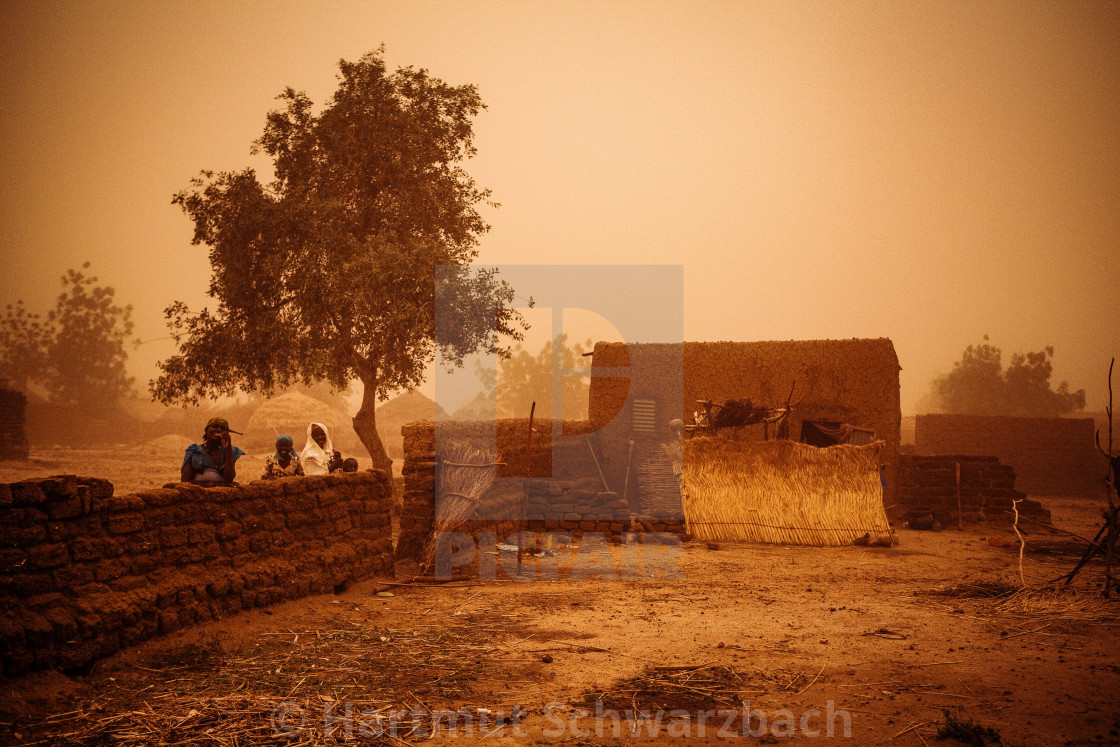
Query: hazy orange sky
point(928, 172)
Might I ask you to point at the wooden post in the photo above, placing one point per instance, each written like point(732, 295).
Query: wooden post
point(960, 518)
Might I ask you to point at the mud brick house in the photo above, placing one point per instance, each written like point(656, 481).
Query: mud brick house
point(1049, 455)
point(637, 389)
point(13, 438)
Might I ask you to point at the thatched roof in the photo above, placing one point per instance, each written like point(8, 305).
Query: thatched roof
point(291, 413)
point(402, 409)
point(479, 408)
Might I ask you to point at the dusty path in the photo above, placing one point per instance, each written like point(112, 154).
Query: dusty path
point(888, 637)
point(883, 640)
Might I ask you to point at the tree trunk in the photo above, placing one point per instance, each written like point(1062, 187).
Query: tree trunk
point(365, 425)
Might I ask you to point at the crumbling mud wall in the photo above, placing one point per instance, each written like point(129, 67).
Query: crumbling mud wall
point(84, 573)
point(539, 488)
point(853, 381)
point(1049, 455)
point(987, 489)
point(13, 435)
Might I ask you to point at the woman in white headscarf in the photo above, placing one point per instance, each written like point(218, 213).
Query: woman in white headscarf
point(318, 456)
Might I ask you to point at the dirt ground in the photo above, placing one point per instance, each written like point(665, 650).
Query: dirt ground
point(868, 645)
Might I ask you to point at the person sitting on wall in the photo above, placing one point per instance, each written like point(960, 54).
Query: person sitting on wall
point(213, 461)
point(318, 456)
point(284, 463)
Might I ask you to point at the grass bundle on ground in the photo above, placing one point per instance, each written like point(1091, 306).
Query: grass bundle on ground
point(782, 491)
point(465, 473)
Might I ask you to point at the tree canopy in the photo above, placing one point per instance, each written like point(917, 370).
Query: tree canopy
point(77, 354)
point(329, 271)
point(524, 378)
point(979, 385)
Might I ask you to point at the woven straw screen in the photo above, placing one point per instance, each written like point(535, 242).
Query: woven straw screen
point(782, 491)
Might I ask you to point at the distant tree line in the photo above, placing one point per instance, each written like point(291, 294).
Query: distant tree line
point(980, 385)
point(76, 353)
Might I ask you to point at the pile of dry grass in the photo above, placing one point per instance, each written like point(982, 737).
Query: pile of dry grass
point(782, 491)
point(282, 689)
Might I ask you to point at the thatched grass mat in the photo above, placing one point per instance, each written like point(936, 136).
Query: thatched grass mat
point(782, 491)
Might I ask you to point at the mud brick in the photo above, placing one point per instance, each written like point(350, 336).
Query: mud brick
point(223, 494)
point(125, 523)
point(173, 536)
point(200, 534)
point(98, 488)
point(168, 621)
point(43, 557)
point(141, 565)
point(587, 526)
point(107, 570)
point(72, 576)
point(65, 509)
point(27, 493)
point(159, 498)
point(28, 536)
point(260, 542)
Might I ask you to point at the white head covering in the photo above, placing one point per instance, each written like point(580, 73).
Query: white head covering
point(316, 459)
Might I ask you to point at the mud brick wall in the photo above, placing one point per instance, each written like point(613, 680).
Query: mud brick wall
point(506, 507)
point(1049, 455)
point(84, 573)
point(987, 489)
point(13, 437)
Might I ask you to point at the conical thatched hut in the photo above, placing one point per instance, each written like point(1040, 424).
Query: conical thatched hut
point(479, 408)
point(409, 407)
point(291, 413)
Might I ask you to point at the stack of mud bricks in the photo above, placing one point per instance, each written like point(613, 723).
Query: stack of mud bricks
point(13, 436)
point(987, 487)
point(559, 506)
point(84, 573)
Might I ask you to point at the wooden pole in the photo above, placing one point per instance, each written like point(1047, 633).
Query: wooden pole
point(960, 519)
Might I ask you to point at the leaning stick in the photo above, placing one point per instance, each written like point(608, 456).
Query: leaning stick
point(1022, 544)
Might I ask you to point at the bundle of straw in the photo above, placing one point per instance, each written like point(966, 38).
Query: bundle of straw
point(465, 474)
point(782, 491)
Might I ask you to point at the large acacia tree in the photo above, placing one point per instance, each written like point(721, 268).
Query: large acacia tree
point(329, 272)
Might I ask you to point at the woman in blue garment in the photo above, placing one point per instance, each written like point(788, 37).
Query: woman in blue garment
point(212, 462)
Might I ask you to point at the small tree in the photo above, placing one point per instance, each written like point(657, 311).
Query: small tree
point(523, 378)
point(87, 356)
point(978, 385)
point(78, 353)
point(24, 338)
point(329, 273)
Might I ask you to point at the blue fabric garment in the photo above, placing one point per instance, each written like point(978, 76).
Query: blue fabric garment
point(201, 461)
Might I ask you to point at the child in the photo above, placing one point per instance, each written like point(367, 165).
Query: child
point(284, 463)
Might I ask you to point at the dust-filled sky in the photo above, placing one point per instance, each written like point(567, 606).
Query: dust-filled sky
point(925, 171)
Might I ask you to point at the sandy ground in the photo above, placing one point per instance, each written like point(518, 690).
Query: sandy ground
point(872, 645)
